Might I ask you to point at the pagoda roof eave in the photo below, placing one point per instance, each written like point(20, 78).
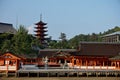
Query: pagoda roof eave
point(40, 27)
point(41, 34)
point(40, 23)
point(41, 31)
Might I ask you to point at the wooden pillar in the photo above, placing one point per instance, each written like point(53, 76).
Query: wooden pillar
point(111, 63)
point(18, 74)
point(6, 73)
point(86, 64)
point(7, 65)
point(73, 62)
point(115, 64)
point(16, 64)
point(96, 74)
point(77, 62)
point(55, 60)
point(67, 74)
point(15, 73)
point(94, 64)
point(58, 74)
point(119, 64)
point(106, 74)
point(77, 74)
point(65, 62)
point(48, 74)
point(87, 74)
point(38, 74)
point(28, 74)
point(107, 64)
point(103, 63)
point(116, 74)
point(70, 61)
point(81, 62)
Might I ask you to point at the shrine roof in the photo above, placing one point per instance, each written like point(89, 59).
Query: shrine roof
point(68, 50)
point(31, 56)
point(7, 28)
point(99, 49)
point(15, 56)
point(54, 52)
point(99, 42)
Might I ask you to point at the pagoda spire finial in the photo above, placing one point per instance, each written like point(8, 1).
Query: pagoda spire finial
point(41, 17)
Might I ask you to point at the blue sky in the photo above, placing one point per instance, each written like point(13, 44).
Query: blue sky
point(72, 17)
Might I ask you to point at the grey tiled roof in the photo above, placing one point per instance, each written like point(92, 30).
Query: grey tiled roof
point(53, 52)
point(7, 28)
point(99, 49)
point(68, 50)
point(99, 43)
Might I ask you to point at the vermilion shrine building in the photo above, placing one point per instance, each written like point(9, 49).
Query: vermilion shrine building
point(91, 55)
point(88, 56)
point(9, 62)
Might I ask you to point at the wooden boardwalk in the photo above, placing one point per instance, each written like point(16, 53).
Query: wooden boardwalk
point(66, 73)
point(33, 71)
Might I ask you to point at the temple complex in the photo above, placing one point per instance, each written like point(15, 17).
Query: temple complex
point(90, 56)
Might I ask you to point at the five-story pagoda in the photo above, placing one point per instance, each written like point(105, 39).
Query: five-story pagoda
point(40, 31)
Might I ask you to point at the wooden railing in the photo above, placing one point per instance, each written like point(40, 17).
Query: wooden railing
point(9, 68)
point(91, 67)
point(2, 68)
point(95, 67)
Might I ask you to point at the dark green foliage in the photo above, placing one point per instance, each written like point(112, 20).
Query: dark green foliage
point(7, 46)
point(20, 43)
point(24, 43)
point(61, 44)
point(63, 37)
point(90, 37)
point(115, 29)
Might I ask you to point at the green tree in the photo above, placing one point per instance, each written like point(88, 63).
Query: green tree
point(53, 44)
point(62, 37)
point(7, 46)
point(115, 29)
point(4, 37)
point(22, 41)
point(63, 43)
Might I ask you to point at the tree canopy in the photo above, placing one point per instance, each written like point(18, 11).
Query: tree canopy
point(20, 43)
point(24, 43)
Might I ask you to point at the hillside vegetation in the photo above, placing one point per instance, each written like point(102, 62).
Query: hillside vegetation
point(24, 43)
